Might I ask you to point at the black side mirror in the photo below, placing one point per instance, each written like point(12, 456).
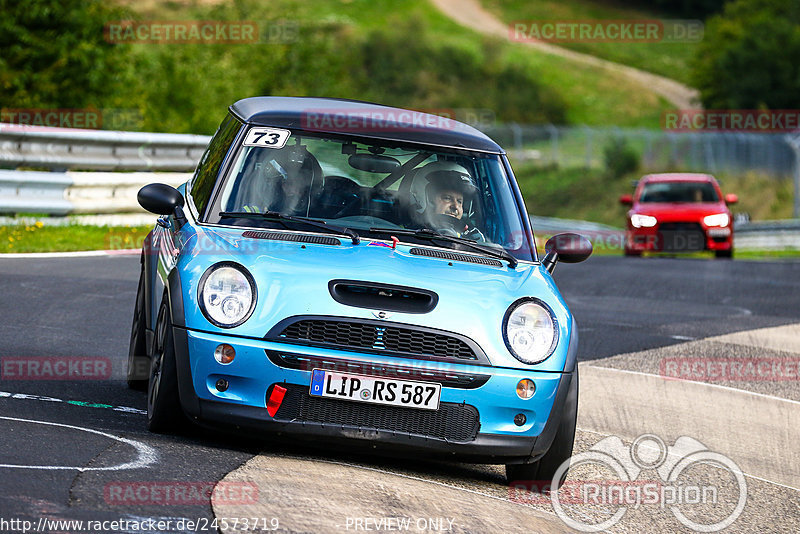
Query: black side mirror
point(162, 199)
point(566, 247)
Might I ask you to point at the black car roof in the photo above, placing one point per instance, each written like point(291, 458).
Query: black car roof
point(365, 119)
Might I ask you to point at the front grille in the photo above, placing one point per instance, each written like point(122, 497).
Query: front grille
point(380, 337)
point(680, 237)
point(451, 422)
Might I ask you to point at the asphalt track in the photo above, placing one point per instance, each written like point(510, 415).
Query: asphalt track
point(68, 446)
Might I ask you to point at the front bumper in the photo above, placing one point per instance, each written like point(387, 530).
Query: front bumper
point(678, 237)
point(254, 372)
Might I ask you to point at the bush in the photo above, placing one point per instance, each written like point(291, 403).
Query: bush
point(620, 158)
point(750, 55)
point(53, 54)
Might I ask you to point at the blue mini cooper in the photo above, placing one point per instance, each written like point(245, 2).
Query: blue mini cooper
point(351, 272)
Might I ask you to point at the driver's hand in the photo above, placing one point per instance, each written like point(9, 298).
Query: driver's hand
point(475, 235)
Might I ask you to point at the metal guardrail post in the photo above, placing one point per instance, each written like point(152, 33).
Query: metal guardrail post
point(794, 142)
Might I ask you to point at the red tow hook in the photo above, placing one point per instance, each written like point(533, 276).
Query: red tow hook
point(395, 241)
point(275, 400)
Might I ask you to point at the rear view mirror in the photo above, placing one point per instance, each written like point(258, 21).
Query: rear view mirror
point(566, 247)
point(626, 200)
point(730, 198)
point(373, 163)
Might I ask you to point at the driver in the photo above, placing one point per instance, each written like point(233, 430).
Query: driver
point(446, 194)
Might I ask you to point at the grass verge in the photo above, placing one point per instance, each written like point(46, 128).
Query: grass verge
point(71, 238)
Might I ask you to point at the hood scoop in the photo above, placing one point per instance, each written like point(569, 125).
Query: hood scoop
point(455, 256)
point(376, 296)
point(291, 236)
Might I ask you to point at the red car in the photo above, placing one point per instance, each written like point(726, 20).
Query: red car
point(679, 212)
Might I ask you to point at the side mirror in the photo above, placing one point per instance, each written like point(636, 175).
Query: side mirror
point(730, 198)
point(160, 199)
point(626, 200)
point(567, 247)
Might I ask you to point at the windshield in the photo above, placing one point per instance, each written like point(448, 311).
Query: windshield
point(372, 188)
point(679, 192)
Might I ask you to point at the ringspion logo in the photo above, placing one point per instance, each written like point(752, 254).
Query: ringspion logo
point(688, 478)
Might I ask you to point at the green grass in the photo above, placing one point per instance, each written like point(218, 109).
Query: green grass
point(369, 50)
point(668, 59)
point(39, 238)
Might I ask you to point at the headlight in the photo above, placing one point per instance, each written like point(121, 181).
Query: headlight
point(530, 331)
point(643, 221)
point(227, 294)
point(718, 219)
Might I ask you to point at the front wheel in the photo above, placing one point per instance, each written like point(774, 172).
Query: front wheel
point(164, 411)
point(560, 450)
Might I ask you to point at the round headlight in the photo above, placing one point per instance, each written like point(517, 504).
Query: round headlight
point(227, 294)
point(530, 331)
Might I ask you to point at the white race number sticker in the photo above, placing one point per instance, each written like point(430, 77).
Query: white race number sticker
point(267, 137)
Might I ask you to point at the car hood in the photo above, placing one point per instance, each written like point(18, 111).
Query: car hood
point(292, 279)
point(679, 211)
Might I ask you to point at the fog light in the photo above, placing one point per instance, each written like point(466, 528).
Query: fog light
point(222, 384)
point(525, 389)
point(224, 354)
point(520, 419)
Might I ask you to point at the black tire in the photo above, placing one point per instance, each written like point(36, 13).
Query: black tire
point(164, 412)
point(138, 360)
point(724, 254)
point(560, 451)
point(633, 253)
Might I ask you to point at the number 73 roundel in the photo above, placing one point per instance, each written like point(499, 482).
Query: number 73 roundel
point(267, 137)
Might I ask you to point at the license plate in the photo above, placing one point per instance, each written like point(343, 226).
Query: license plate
point(375, 389)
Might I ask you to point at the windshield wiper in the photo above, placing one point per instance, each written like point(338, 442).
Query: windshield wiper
point(281, 218)
point(429, 234)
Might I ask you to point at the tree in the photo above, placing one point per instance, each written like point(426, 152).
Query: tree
point(750, 57)
point(53, 54)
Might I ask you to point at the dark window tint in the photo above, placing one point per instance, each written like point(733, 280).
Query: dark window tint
point(206, 174)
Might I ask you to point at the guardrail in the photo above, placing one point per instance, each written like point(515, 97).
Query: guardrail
point(62, 151)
